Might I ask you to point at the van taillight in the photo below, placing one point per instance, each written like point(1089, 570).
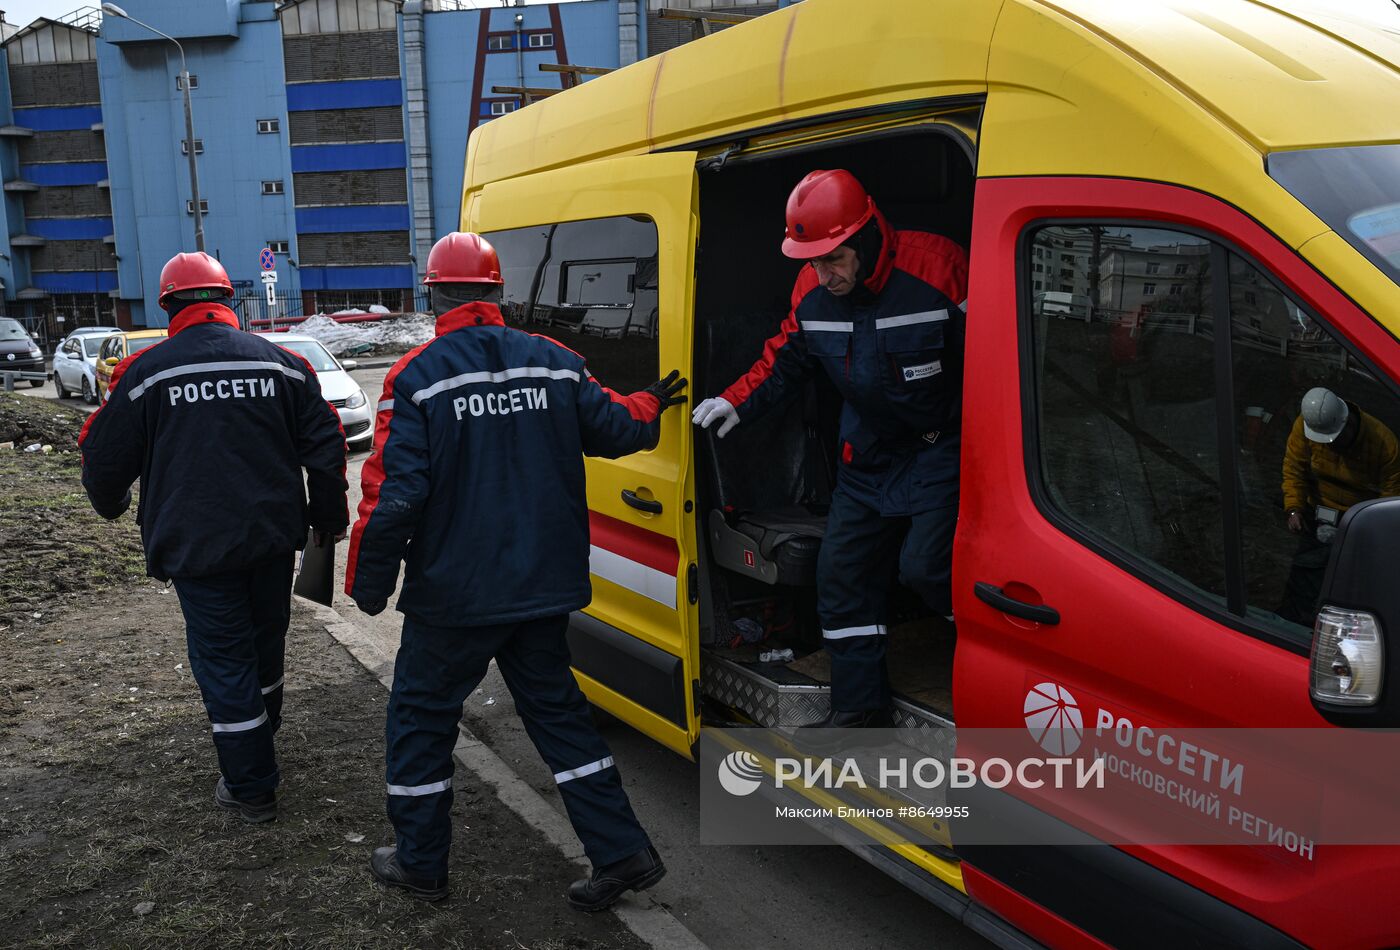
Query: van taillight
point(1348, 656)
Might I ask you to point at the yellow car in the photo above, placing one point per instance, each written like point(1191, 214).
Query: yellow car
point(118, 347)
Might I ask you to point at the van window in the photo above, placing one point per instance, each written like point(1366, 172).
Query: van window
point(592, 285)
point(1128, 410)
point(1356, 190)
point(1280, 354)
point(1126, 400)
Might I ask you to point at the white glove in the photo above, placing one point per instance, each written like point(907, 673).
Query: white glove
point(713, 410)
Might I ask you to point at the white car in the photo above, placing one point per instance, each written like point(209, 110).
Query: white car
point(339, 389)
point(75, 362)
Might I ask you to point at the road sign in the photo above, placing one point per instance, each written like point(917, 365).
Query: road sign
point(271, 293)
point(269, 277)
point(267, 259)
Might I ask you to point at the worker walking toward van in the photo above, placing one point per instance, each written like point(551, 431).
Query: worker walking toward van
point(1337, 456)
point(477, 482)
point(219, 425)
point(881, 312)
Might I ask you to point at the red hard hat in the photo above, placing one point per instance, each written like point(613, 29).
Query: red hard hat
point(823, 211)
point(192, 272)
point(463, 258)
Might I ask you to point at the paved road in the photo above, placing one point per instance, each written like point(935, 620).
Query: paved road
point(730, 897)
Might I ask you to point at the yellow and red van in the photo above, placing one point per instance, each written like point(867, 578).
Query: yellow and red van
point(1182, 215)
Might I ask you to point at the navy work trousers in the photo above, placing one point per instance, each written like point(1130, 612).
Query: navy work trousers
point(436, 670)
point(236, 630)
point(860, 554)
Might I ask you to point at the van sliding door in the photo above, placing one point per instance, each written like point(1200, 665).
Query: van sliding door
point(601, 257)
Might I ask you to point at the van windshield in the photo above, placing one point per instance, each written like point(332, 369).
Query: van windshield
point(1355, 190)
point(11, 330)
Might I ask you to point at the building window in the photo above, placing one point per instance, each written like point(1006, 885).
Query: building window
point(203, 206)
point(1067, 258)
point(198, 146)
point(1153, 268)
point(266, 126)
point(279, 247)
point(593, 286)
point(194, 82)
point(501, 108)
point(1149, 289)
point(1175, 290)
point(1180, 269)
point(272, 187)
point(495, 43)
point(541, 40)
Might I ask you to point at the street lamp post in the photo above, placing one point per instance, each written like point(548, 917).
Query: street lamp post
point(111, 9)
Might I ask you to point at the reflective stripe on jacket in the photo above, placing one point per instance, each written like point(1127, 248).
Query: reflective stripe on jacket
point(476, 478)
point(218, 424)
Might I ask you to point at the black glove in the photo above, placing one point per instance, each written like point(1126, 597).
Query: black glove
point(325, 538)
point(371, 607)
point(665, 390)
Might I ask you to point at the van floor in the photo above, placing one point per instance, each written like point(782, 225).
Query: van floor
point(919, 658)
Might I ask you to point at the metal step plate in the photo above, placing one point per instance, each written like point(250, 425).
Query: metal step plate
point(779, 698)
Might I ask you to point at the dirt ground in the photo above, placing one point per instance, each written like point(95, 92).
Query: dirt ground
point(108, 832)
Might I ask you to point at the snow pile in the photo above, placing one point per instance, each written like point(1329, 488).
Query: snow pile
point(400, 334)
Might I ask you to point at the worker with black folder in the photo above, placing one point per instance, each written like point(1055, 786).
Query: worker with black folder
point(219, 425)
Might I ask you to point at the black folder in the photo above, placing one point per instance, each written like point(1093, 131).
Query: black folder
point(316, 579)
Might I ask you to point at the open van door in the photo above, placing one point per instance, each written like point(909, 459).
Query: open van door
point(601, 257)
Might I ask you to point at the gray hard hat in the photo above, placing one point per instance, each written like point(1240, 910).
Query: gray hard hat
point(1324, 415)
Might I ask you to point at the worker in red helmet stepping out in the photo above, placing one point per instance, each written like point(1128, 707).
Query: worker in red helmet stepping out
point(477, 482)
point(881, 312)
point(219, 424)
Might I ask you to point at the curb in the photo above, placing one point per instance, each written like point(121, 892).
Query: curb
point(649, 920)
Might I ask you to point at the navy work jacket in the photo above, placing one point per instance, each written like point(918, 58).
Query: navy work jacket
point(894, 349)
point(218, 424)
point(476, 479)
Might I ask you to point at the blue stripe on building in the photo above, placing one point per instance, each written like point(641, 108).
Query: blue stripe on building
point(65, 173)
point(76, 282)
point(340, 158)
point(69, 229)
point(349, 94)
point(339, 218)
point(58, 119)
point(356, 278)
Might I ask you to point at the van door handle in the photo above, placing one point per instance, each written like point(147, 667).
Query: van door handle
point(996, 597)
point(641, 504)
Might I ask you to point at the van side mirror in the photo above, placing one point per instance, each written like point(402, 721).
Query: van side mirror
point(1355, 661)
point(111, 361)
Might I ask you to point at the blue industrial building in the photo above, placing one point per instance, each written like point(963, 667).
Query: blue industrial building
point(333, 131)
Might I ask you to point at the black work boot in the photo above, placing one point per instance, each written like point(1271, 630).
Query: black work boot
point(384, 865)
point(825, 734)
point(255, 811)
point(610, 881)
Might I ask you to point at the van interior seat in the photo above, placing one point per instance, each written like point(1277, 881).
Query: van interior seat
point(771, 476)
point(776, 546)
